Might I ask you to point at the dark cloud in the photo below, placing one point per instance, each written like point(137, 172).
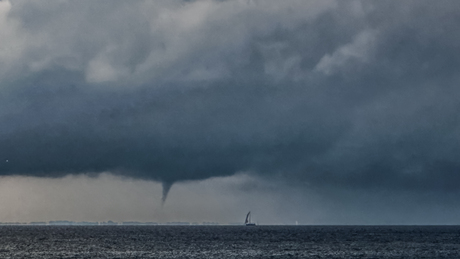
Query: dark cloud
point(352, 94)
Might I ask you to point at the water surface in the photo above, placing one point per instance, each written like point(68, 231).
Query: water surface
point(230, 242)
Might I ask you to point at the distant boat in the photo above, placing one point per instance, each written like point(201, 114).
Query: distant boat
point(248, 222)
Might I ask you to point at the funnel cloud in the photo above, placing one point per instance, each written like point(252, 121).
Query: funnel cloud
point(166, 187)
point(332, 94)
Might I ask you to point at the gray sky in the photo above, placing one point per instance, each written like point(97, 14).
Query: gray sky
point(340, 112)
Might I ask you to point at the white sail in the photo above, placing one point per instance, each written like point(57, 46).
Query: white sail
point(248, 218)
point(248, 222)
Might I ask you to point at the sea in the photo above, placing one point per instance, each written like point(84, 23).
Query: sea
point(229, 242)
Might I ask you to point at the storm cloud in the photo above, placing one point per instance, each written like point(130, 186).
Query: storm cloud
point(357, 94)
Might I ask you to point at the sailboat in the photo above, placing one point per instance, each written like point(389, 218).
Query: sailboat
point(248, 222)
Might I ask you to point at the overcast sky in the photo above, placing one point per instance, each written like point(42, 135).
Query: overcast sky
point(324, 112)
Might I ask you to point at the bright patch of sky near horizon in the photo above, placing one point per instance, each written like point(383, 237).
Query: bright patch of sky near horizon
point(223, 200)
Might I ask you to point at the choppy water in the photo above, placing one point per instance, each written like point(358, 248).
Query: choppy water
point(229, 242)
